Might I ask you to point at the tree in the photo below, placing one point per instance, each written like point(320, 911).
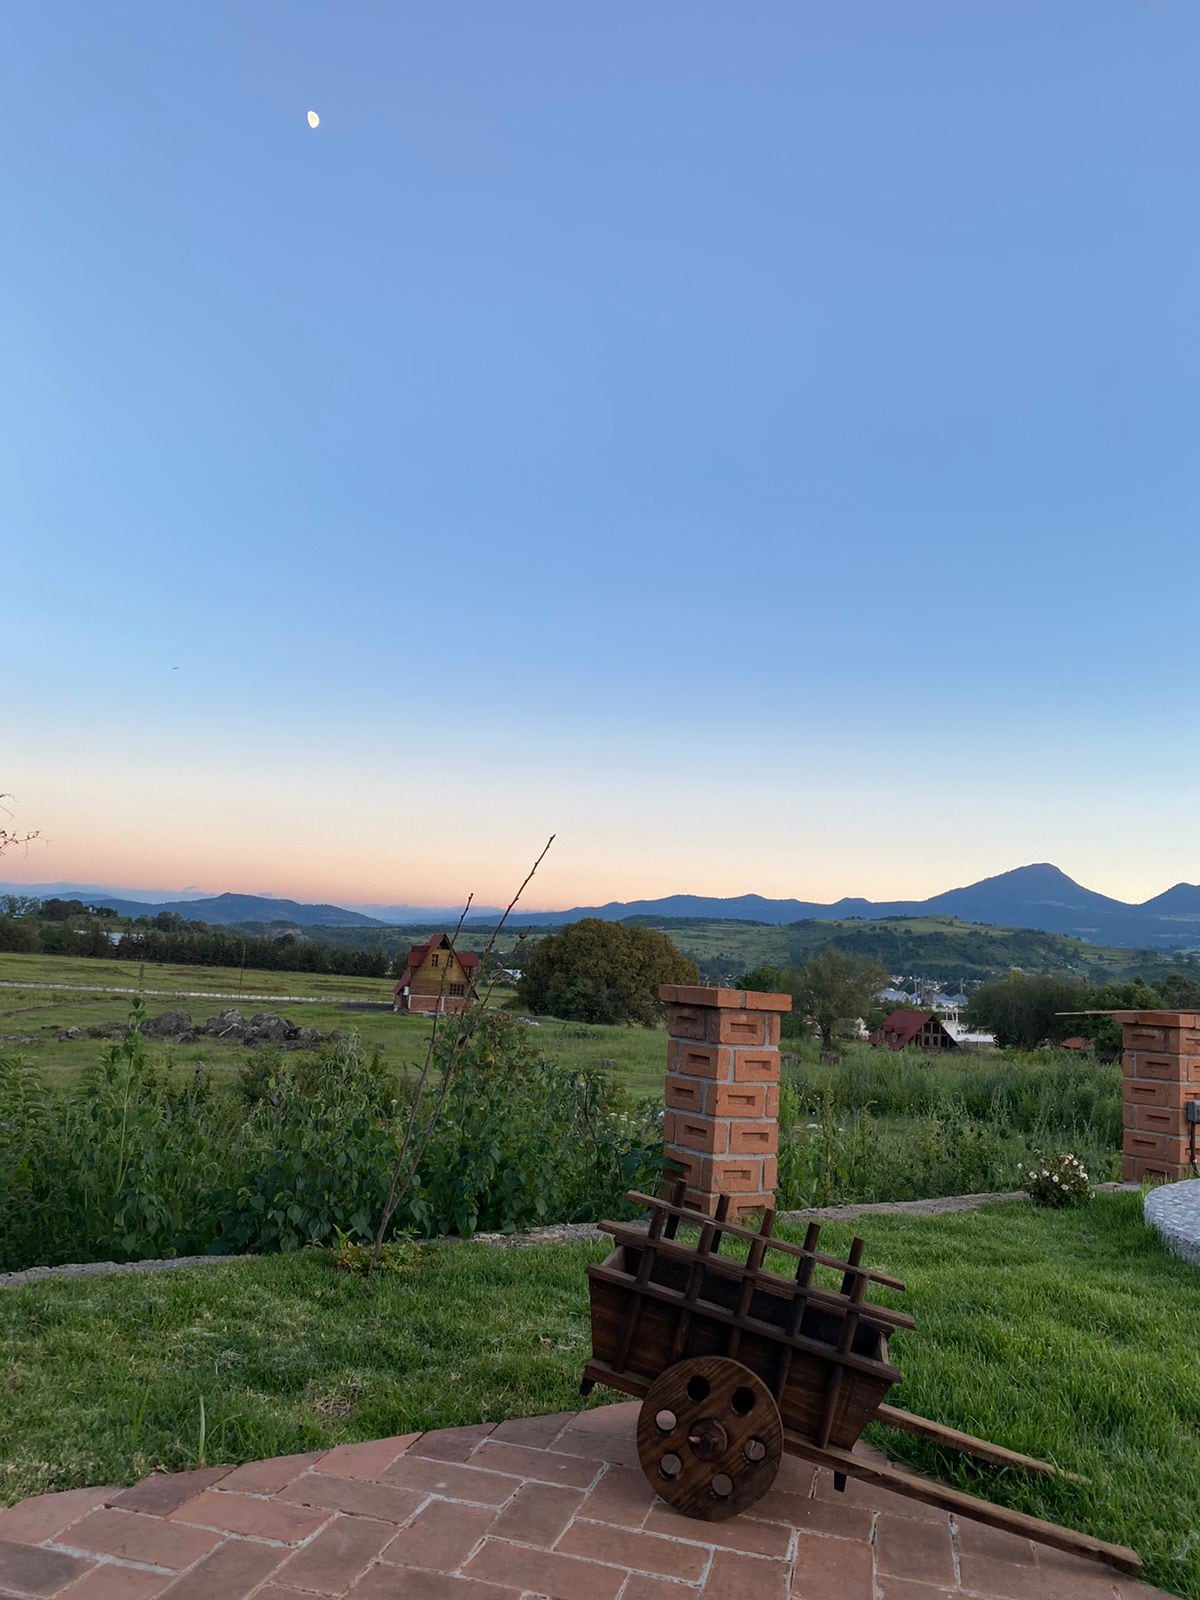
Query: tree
point(596, 971)
point(833, 988)
point(1023, 1009)
point(766, 979)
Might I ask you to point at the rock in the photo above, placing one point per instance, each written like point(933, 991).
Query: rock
point(229, 1024)
point(168, 1026)
point(70, 1033)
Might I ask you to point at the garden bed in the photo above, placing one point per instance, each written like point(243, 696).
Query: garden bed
point(1066, 1335)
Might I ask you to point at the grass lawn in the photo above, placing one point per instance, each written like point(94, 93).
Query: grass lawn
point(1070, 1336)
point(636, 1055)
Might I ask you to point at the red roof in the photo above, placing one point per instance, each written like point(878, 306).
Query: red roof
point(1078, 1042)
point(901, 1028)
point(418, 953)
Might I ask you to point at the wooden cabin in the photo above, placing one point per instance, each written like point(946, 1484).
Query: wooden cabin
point(922, 1030)
point(436, 978)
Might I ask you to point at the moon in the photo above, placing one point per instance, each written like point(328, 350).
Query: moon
point(314, 120)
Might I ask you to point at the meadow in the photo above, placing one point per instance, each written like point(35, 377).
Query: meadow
point(1068, 1335)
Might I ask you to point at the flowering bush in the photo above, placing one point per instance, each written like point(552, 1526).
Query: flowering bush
point(1058, 1181)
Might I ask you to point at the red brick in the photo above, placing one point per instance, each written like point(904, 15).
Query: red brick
point(739, 1533)
point(113, 1581)
point(452, 1444)
point(1135, 1170)
point(543, 1572)
point(756, 1066)
point(454, 1482)
point(770, 1175)
point(687, 1022)
point(618, 1449)
point(911, 1549)
point(642, 1552)
point(381, 1584)
point(163, 1492)
point(709, 1134)
point(685, 1094)
point(26, 1570)
point(753, 1138)
point(543, 1466)
point(813, 1516)
point(1156, 1119)
point(640, 1587)
point(356, 1496)
point(686, 1060)
point(994, 1544)
point(338, 1554)
point(742, 1175)
point(831, 1569)
point(738, 1577)
point(538, 1513)
point(1151, 1065)
point(133, 1536)
point(265, 1477)
point(890, 1588)
point(1156, 1147)
point(366, 1460)
point(45, 1515)
point(691, 994)
point(273, 1591)
point(739, 1100)
point(742, 1028)
point(619, 1417)
point(539, 1432)
point(229, 1573)
point(442, 1537)
point(622, 1497)
point(246, 1514)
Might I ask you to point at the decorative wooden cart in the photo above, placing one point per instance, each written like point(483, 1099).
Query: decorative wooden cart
point(735, 1364)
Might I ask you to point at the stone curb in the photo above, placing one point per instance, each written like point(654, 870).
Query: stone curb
point(561, 1233)
point(1173, 1210)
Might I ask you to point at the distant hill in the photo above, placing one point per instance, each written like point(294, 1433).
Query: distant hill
point(223, 910)
point(1040, 896)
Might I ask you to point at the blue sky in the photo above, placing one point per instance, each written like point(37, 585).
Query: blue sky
point(756, 442)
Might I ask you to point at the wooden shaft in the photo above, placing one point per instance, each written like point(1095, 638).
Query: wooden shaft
point(981, 1449)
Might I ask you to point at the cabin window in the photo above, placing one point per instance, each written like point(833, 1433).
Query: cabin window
point(435, 961)
point(457, 990)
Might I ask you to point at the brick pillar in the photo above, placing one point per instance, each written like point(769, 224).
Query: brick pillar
point(1160, 1070)
point(721, 1123)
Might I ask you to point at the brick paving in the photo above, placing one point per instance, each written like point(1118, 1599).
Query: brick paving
point(537, 1508)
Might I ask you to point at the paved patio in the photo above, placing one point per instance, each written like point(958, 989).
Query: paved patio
point(538, 1507)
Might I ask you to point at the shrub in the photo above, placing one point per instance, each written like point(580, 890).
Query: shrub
point(596, 971)
point(1058, 1181)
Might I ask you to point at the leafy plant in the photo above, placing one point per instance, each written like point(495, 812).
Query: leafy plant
point(1058, 1181)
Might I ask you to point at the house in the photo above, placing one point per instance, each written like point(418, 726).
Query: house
point(436, 977)
point(920, 1029)
point(1079, 1043)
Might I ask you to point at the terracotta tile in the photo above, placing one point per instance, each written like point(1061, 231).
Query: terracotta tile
point(162, 1492)
point(26, 1570)
point(857, 1493)
point(738, 1533)
point(831, 1569)
point(975, 1538)
point(794, 1476)
point(441, 1537)
point(839, 1520)
point(381, 1584)
point(115, 1582)
point(338, 1555)
point(451, 1481)
point(918, 1550)
point(640, 1587)
point(622, 1496)
point(640, 1552)
point(1055, 1573)
point(544, 1466)
point(537, 1514)
point(274, 1591)
point(452, 1444)
point(265, 1477)
point(539, 1432)
point(43, 1516)
point(619, 1418)
point(889, 1588)
point(365, 1460)
point(542, 1572)
point(356, 1496)
point(229, 1573)
point(738, 1577)
point(133, 1536)
point(618, 1448)
point(1007, 1580)
point(243, 1513)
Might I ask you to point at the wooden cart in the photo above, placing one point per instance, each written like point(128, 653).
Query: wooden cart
point(735, 1364)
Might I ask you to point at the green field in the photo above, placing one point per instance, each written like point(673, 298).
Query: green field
point(1070, 1336)
point(30, 1018)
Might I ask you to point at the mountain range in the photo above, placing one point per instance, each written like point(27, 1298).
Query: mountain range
point(1040, 896)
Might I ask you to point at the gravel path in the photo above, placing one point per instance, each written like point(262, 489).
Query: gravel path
point(204, 994)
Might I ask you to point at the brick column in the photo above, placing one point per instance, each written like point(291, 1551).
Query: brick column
point(1160, 1070)
point(721, 1124)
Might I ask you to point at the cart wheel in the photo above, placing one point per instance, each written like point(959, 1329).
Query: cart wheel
point(709, 1437)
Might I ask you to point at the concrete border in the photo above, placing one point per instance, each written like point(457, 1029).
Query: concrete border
point(1173, 1211)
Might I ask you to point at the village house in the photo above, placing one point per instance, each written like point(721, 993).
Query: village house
point(921, 1029)
point(436, 978)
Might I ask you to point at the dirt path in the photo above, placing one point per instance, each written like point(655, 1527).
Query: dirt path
point(203, 994)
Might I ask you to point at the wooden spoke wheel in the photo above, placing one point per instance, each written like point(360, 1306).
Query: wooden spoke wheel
point(709, 1437)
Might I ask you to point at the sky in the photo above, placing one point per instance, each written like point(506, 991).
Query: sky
point(755, 444)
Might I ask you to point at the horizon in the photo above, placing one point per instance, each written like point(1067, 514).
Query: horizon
point(759, 449)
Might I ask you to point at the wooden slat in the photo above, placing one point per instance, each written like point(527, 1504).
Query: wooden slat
point(854, 1286)
point(754, 1260)
point(735, 1231)
point(981, 1449)
point(800, 1297)
point(633, 1310)
point(931, 1493)
point(710, 1238)
point(768, 1330)
point(770, 1282)
point(677, 1203)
